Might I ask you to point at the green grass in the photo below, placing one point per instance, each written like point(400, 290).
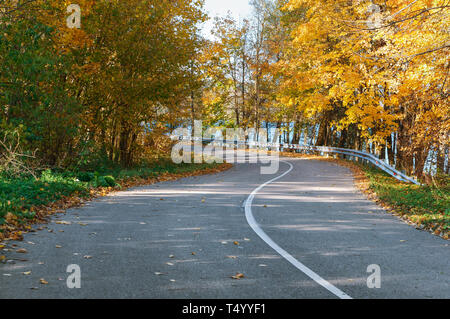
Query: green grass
point(19, 195)
point(424, 205)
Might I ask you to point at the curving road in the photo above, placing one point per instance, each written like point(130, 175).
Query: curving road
point(305, 232)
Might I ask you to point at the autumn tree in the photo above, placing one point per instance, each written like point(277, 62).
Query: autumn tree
point(372, 75)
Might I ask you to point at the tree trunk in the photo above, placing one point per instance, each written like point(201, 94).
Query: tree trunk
point(404, 154)
point(421, 158)
point(323, 132)
point(343, 140)
point(440, 161)
point(296, 135)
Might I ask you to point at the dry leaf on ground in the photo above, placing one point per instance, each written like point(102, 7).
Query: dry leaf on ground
point(238, 276)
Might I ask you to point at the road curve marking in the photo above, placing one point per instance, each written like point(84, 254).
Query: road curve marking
point(258, 230)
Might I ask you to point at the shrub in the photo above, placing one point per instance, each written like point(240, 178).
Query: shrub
point(85, 177)
point(110, 181)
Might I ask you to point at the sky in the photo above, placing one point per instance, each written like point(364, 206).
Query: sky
point(238, 8)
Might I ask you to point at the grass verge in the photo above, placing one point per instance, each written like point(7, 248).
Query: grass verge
point(27, 201)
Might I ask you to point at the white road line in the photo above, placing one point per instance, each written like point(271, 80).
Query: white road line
point(258, 230)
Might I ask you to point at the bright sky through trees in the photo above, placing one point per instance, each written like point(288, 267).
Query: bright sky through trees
point(238, 8)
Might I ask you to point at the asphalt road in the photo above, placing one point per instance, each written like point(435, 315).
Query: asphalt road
point(177, 240)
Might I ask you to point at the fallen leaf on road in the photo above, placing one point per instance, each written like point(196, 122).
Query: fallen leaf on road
point(62, 222)
point(2, 257)
point(265, 206)
point(193, 254)
point(236, 243)
point(43, 281)
point(21, 251)
point(238, 276)
point(58, 246)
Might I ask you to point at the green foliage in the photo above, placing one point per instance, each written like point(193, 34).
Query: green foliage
point(104, 181)
point(86, 176)
point(110, 181)
point(34, 89)
point(82, 95)
point(18, 195)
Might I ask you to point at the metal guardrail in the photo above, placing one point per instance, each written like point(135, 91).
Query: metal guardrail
point(322, 149)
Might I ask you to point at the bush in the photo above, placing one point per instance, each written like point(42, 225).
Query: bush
point(14, 161)
point(85, 177)
point(110, 181)
point(105, 181)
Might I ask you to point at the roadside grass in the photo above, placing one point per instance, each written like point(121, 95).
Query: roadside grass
point(426, 206)
point(22, 199)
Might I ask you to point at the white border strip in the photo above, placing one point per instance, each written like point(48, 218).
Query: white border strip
point(258, 230)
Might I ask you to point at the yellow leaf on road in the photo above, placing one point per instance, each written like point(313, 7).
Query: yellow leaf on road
point(238, 276)
point(62, 222)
